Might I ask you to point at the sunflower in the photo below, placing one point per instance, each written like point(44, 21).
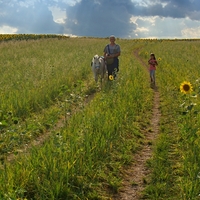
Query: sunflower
point(186, 87)
point(111, 77)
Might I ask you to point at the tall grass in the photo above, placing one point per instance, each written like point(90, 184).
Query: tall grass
point(34, 71)
point(83, 160)
point(176, 161)
point(37, 76)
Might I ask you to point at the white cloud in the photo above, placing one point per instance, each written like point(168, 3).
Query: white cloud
point(26, 4)
point(150, 20)
point(70, 2)
point(191, 32)
point(141, 29)
point(59, 15)
point(157, 27)
point(7, 30)
point(139, 3)
point(143, 25)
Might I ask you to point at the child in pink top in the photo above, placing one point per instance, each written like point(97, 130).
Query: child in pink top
point(152, 67)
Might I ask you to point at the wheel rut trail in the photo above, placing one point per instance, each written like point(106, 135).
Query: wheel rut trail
point(134, 181)
point(39, 141)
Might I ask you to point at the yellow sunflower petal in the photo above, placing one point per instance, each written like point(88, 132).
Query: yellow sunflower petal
point(111, 77)
point(186, 87)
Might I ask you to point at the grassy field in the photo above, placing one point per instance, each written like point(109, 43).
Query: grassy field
point(49, 81)
point(176, 162)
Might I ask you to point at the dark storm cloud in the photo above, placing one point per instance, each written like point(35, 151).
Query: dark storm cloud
point(28, 19)
point(176, 8)
point(97, 18)
point(105, 17)
point(100, 18)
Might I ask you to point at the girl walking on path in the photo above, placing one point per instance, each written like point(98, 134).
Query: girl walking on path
point(152, 68)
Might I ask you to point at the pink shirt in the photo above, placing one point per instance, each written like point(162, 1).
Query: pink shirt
point(152, 64)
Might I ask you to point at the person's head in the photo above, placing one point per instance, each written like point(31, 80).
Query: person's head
point(112, 38)
point(152, 55)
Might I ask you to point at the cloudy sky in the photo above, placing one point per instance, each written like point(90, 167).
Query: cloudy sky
point(101, 18)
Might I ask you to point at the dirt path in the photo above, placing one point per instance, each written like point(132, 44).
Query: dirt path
point(25, 149)
point(135, 176)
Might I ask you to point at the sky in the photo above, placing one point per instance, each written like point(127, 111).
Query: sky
point(131, 19)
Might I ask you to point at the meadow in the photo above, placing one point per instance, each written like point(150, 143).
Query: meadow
point(47, 87)
point(175, 164)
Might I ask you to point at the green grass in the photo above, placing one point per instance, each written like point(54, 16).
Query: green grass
point(83, 159)
point(175, 165)
point(48, 79)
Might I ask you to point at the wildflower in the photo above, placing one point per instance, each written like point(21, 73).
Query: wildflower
point(111, 77)
point(159, 59)
point(186, 87)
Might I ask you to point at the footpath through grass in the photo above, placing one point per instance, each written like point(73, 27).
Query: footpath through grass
point(176, 161)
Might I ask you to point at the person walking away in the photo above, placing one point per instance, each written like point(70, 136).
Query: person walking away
point(152, 68)
point(111, 53)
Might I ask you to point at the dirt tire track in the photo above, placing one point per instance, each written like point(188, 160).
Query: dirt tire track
point(134, 177)
point(39, 141)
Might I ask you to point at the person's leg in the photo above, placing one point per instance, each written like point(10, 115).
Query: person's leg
point(115, 67)
point(151, 76)
point(110, 70)
point(154, 77)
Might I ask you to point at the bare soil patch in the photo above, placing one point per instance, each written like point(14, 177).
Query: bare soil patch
point(134, 177)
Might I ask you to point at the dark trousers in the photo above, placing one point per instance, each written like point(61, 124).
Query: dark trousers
point(113, 68)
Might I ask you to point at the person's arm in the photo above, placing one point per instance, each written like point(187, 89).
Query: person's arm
point(116, 54)
point(105, 53)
